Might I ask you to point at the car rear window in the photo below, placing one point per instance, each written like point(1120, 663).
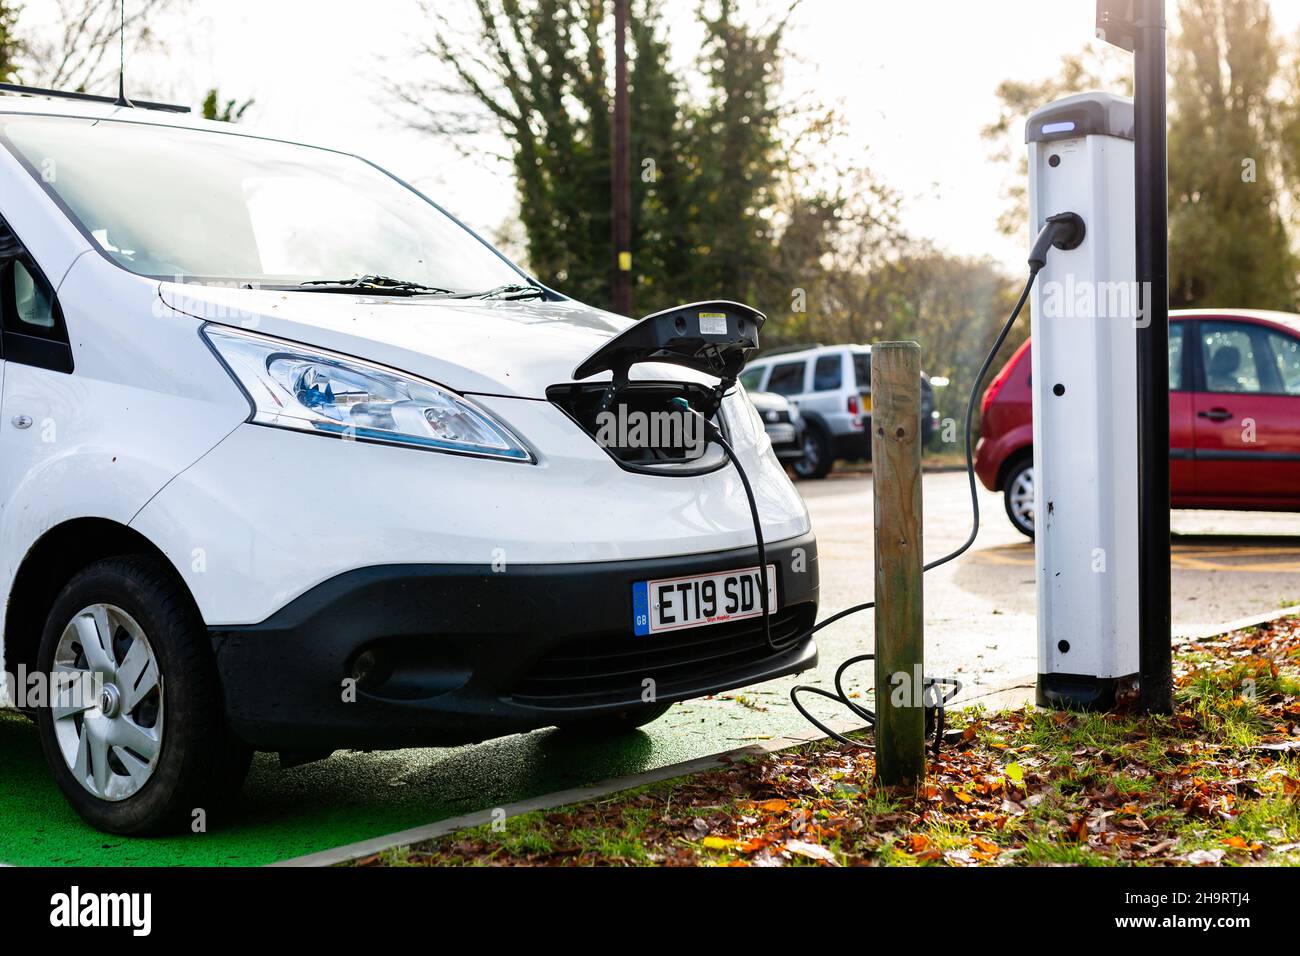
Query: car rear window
point(786, 379)
point(828, 373)
point(862, 370)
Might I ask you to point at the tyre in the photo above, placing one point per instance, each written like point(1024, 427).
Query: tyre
point(612, 725)
point(136, 737)
point(817, 460)
point(1018, 495)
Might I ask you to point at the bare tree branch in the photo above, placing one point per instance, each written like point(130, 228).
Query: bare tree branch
point(82, 56)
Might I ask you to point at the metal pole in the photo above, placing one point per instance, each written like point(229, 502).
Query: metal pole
point(896, 488)
point(622, 182)
point(1150, 134)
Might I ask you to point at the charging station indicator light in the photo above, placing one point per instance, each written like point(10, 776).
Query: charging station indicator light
point(1066, 127)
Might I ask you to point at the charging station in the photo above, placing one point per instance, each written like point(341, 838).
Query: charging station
point(1084, 309)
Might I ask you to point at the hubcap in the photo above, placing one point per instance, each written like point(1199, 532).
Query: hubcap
point(108, 703)
point(1021, 497)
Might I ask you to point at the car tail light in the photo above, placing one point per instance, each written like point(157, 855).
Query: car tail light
point(991, 392)
point(1000, 380)
point(853, 404)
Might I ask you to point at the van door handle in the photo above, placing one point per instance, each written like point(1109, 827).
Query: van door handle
point(1216, 414)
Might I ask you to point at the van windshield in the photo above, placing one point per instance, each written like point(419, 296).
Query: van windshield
point(201, 206)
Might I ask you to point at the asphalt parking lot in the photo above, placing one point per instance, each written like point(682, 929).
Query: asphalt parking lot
point(980, 626)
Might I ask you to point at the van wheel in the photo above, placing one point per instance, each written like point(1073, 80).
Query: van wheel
point(135, 733)
point(1018, 496)
point(816, 461)
point(614, 724)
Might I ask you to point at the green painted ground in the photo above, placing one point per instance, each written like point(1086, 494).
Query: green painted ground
point(352, 796)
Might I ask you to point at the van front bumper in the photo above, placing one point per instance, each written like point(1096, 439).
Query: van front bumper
point(434, 655)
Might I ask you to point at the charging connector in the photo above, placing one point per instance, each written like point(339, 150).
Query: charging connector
point(1065, 230)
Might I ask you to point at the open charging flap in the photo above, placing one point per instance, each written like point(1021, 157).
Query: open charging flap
point(716, 338)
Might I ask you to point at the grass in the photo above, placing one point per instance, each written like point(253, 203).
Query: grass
point(1217, 782)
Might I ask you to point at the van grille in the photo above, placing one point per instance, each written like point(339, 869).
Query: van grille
point(610, 669)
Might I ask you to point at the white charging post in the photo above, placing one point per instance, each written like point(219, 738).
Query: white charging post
point(1084, 311)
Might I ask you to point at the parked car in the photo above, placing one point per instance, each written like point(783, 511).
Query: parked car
point(1234, 416)
point(831, 387)
point(291, 460)
point(783, 424)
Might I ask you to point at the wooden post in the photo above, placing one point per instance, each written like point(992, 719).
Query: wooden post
point(896, 484)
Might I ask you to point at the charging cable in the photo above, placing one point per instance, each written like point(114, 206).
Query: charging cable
point(1062, 231)
point(712, 433)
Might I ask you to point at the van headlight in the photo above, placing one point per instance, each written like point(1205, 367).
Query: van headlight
point(306, 389)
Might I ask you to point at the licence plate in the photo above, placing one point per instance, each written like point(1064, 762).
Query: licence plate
point(780, 434)
point(670, 604)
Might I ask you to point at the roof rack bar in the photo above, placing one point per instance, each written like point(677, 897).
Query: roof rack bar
point(89, 98)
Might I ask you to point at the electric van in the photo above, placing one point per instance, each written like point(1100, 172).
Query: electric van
point(292, 461)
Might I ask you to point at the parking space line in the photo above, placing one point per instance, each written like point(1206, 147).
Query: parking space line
point(1184, 558)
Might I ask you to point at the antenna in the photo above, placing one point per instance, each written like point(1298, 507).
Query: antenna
point(121, 69)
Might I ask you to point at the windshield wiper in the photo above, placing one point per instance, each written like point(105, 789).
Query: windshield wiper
point(371, 283)
point(511, 291)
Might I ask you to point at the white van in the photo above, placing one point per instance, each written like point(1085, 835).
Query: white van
point(292, 461)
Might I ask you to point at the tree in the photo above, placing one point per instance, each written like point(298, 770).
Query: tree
point(11, 47)
point(1097, 68)
point(662, 164)
point(230, 112)
point(705, 170)
point(83, 53)
point(733, 139)
point(1234, 150)
point(955, 306)
point(535, 72)
point(1228, 244)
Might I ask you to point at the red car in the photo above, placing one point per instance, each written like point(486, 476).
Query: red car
point(1234, 417)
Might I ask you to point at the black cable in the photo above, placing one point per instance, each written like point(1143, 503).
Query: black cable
point(1062, 231)
point(930, 684)
point(716, 435)
point(840, 695)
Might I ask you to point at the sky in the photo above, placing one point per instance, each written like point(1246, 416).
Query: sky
point(915, 82)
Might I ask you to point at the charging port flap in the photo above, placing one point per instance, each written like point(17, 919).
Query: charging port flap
point(716, 338)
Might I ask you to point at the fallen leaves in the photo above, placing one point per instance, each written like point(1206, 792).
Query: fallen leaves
point(812, 851)
point(718, 843)
point(1013, 788)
